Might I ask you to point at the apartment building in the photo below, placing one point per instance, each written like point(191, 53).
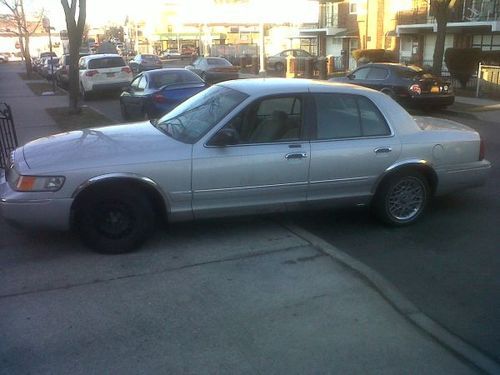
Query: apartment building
point(473, 23)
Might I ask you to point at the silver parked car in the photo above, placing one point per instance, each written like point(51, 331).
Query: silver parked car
point(241, 147)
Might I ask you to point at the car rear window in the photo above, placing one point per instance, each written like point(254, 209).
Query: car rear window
point(158, 80)
point(219, 62)
point(106, 62)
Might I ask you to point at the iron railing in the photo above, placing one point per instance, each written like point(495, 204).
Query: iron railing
point(8, 137)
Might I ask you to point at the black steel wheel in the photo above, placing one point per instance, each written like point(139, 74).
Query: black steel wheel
point(115, 222)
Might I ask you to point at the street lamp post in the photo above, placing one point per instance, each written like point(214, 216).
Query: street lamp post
point(46, 26)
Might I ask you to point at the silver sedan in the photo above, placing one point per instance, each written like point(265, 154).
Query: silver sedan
point(241, 147)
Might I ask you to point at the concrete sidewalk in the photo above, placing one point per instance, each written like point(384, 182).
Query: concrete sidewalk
point(481, 108)
point(28, 109)
point(231, 297)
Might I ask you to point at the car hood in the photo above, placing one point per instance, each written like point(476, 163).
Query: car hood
point(97, 147)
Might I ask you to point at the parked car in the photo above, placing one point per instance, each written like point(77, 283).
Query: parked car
point(103, 72)
point(4, 57)
point(171, 54)
point(407, 84)
point(214, 69)
point(241, 147)
point(141, 63)
point(278, 62)
point(49, 67)
point(62, 72)
point(153, 93)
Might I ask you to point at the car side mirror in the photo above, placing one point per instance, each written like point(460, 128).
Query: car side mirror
point(351, 76)
point(225, 137)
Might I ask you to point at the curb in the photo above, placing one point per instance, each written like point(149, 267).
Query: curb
point(402, 304)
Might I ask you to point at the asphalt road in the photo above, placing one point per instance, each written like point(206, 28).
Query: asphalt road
point(448, 264)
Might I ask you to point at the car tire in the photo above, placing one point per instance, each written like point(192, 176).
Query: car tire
point(279, 67)
point(85, 95)
point(115, 222)
point(124, 112)
point(401, 198)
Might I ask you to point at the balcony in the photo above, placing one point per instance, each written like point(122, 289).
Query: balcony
point(463, 11)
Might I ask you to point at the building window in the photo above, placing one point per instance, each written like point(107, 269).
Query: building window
point(353, 7)
point(331, 19)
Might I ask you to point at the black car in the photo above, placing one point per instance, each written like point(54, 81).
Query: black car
point(407, 84)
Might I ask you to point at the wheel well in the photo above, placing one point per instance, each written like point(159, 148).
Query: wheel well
point(424, 169)
point(157, 201)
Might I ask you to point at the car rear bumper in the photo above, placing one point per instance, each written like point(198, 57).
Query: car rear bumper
point(463, 176)
point(109, 86)
point(432, 100)
point(40, 213)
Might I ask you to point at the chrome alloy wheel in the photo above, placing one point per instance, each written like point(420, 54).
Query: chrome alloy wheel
point(406, 198)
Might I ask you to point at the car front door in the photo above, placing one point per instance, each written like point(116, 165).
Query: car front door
point(351, 147)
point(359, 76)
point(264, 169)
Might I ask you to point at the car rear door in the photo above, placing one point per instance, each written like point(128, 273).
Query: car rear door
point(351, 147)
point(267, 170)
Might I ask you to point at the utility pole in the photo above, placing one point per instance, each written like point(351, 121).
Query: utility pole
point(262, 70)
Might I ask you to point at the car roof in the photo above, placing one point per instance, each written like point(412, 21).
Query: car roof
point(275, 86)
point(100, 56)
point(158, 71)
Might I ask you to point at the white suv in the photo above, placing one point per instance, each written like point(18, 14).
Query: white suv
point(103, 72)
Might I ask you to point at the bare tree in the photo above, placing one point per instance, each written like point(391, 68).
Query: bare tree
point(441, 9)
point(23, 29)
point(75, 25)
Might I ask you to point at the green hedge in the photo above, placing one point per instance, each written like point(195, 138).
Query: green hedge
point(374, 55)
point(462, 63)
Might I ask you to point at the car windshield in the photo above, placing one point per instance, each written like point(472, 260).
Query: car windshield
point(106, 62)
point(192, 119)
point(160, 79)
point(413, 72)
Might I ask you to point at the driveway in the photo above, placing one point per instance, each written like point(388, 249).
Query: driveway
point(242, 296)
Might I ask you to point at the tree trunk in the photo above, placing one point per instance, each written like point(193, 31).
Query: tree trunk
point(27, 55)
point(437, 58)
point(73, 75)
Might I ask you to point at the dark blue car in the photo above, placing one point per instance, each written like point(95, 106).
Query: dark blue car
point(153, 93)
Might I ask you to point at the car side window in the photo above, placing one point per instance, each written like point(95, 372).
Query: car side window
point(142, 83)
point(135, 82)
point(378, 73)
point(348, 116)
point(361, 73)
point(372, 121)
point(275, 119)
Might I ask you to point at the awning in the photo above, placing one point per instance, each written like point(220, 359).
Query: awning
point(451, 27)
point(352, 34)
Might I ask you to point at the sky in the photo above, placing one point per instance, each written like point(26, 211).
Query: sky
point(102, 12)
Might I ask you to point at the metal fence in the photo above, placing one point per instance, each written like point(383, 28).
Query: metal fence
point(489, 80)
point(8, 138)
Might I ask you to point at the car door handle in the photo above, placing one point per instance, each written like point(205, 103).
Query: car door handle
point(382, 150)
point(296, 155)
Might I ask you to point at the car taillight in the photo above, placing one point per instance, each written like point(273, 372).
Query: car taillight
point(416, 89)
point(481, 149)
point(126, 69)
point(158, 98)
point(91, 73)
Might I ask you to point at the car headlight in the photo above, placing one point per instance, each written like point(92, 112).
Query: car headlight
point(34, 183)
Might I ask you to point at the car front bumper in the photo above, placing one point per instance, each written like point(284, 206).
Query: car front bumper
point(463, 176)
point(34, 213)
